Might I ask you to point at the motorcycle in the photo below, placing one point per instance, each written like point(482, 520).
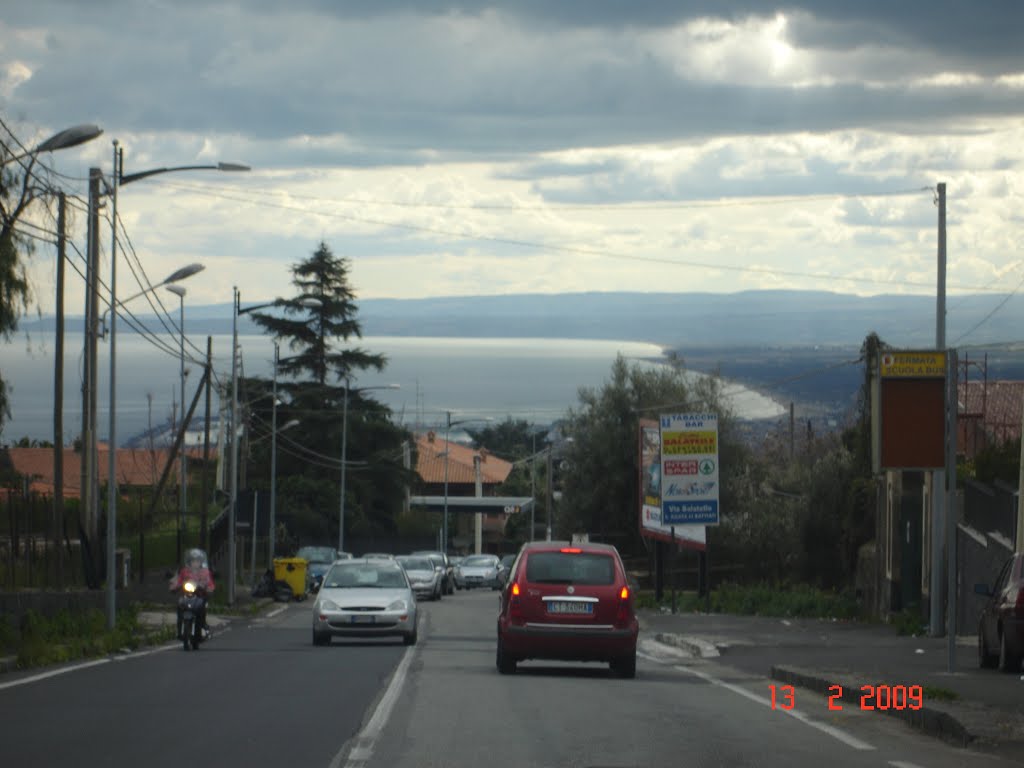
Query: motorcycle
point(191, 606)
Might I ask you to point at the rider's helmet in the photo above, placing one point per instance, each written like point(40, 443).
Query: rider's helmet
point(194, 558)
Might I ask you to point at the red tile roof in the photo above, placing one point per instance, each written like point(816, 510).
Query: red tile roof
point(135, 467)
point(989, 413)
point(430, 462)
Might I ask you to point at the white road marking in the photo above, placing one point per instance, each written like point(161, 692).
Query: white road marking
point(276, 611)
point(367, 738)
point(54, 673)
point(901, 764)
point(836, 733)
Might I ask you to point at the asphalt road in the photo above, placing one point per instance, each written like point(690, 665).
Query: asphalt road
point(259, 694)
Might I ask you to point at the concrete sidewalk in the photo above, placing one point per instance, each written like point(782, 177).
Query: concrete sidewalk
point(980, 707)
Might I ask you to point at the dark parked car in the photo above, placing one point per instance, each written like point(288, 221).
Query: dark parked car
point(504, 567)
point(1001, 626)
point(567, 602)
point(318, 560)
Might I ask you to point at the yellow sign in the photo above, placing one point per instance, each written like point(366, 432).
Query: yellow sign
point(689, 443)
point(914, 365)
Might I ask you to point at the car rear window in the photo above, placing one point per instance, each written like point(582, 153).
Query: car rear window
point(570, 568)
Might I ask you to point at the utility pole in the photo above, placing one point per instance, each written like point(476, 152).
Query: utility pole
point(58, 394)
point(550, 494)
point(938, 490)
point(89, 503)
point(204, 486)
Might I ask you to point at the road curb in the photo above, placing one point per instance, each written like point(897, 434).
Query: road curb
point(696, 646)
point(929, 719)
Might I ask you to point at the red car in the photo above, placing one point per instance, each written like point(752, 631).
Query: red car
point(568, 602)
point(1001, 626)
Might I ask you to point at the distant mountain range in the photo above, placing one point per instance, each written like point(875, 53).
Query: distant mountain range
point(672, 320)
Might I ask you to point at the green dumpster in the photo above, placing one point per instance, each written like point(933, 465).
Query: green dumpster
point(292, 571)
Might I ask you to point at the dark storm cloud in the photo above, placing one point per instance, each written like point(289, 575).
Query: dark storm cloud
point(398, 96)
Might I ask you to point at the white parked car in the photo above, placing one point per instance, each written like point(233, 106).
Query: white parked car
point(364, 598)
point(477, 571)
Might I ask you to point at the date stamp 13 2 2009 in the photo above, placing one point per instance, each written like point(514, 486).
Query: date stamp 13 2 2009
point(872, 697)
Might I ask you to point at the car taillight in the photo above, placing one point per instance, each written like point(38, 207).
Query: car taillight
point(515, 606)
point(1018, 607)
point(622, 617)
point(570, 550)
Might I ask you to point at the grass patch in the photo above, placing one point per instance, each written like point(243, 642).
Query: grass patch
point(69, 636)
point(940, 694)
point(908, 622)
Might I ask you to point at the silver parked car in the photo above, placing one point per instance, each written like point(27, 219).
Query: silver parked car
point(364, 598)
point(477, 571)
point(424, 576)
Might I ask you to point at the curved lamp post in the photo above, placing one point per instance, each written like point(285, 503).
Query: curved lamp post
point(311, 303)
point(344, 458)
point(119, 178)
point(69, 137)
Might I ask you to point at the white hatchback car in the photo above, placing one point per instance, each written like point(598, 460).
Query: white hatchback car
point(364, 598)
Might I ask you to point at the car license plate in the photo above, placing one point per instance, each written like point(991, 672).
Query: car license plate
point(565, 606)
point(364, 619)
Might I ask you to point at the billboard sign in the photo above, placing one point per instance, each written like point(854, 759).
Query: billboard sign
point(651, 524)
point(912, 409)
point(689, 468)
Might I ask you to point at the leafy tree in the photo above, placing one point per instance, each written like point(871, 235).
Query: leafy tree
point(16, 194)
point(600, 488)
point(312, 385)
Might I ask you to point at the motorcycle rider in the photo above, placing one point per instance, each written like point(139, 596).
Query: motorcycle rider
point(195, 570)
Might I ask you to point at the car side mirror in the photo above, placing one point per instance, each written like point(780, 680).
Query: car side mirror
point(982, 589)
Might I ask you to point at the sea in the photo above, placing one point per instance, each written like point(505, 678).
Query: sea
point(485, 379)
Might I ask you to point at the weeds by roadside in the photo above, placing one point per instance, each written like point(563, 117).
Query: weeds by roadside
point(763, 600)
point(69, 636)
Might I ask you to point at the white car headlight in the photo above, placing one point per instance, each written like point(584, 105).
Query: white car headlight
point(398, 605)
point(328, 605)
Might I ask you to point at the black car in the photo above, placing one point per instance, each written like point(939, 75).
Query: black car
point(1001, 625)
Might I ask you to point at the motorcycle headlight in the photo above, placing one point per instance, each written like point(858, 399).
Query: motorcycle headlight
point(398, 605)
point(190, 587)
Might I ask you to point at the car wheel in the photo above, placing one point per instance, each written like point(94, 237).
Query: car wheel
point(986, 660)
point(506, 664)
point(625, 666)
point(411, 639)
point(1008, 661)
point(321, 638)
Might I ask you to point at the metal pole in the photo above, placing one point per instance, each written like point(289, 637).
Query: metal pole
point(533, 487)
point(938, 490)
point(344, 459)
point(206, 446)
point(447, 451)
point(184, 446)
point(550, 494)
point(252, 556)
point(273, 464)
point(951, 528)
point(234, 448)
point(58, 395)
point(112, 440)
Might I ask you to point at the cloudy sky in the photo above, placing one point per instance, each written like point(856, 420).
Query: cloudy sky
point(495, 147)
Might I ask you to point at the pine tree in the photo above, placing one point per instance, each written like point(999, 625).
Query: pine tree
point(317, 363)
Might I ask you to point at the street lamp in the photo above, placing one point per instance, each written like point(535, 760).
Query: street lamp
point(344, 457)
point(69, 137)
point(311, 303)
point(119, 178)
point(447, 451)
point(180, 292)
